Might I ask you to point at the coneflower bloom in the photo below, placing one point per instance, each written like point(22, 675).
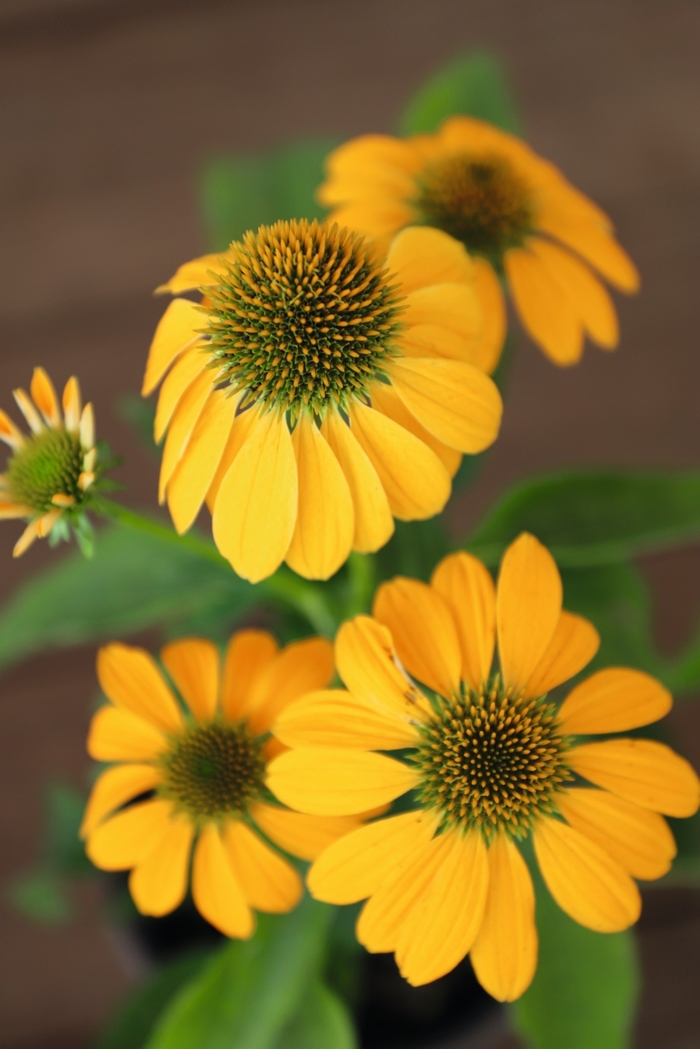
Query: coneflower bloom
point(488, 759)
point(319, 391)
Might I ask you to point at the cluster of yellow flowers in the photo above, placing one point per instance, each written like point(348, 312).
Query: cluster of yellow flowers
point(323, 381)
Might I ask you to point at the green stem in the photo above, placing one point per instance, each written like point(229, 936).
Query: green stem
point(362, 582)
point(150, 527)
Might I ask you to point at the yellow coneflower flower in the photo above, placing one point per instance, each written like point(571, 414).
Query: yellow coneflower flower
point(204, 762)
point(51, 471)
point(492, 760)
point(319, 391)
point(514, 211)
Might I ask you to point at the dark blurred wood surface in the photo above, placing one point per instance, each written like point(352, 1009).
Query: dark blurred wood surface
point(109, 109)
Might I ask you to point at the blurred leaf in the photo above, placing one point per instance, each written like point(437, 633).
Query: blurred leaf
point(252, 989)
point(323, 1022)
point(473, 85)
point(64, 851)
point(132, 1025)
point(41, 896)
point(241, 193)
point(140, 414)
point(585, 988)
point(414, 549)
point(593, 518)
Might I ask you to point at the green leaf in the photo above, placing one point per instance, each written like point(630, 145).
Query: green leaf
point(585, 989)
point(241, 193)
point(323, 1022)
point(251, 990)
point(593, 518)
point(41, 896)
point(473, 85)
point(414, 549)
point(64, 851)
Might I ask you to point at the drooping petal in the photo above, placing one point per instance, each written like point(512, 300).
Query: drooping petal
point(504, 954)
point(189, 409)
point(330, 781)
point(269, 883)
point(177, 329)
point(587, 296)
point(574, 643)
point(638, 839)
point(421, 256)
point(465, 584)
point(158, 882)
point(193, 664)
point(595, 245)
point(641, 770)
point(130, 678)
point(447, 918)
point(256, 507)
point(197, 273)
point(241, 428)
point(216, 889)
point(364, 656)
point(10, 433)
point(13, 511)
point(44, 397)
point(614, 700)
point(378, 218)
point(590, 886)
point(24, 403)
point(28, 536)
point(493, 311)
point(301, 667)
point(300, 834)
point(381, 160)
point(452, 306)
point(374, 524)
point(387, 401)
point(195, 472)
point(325, 523)
point(46, 522)
point(125, 839)
point(528, 607)
point(114, 788)
point(335, 718)
point(544, 310)
point(416, 483)
point(423, 631)
point(248, 654)
point(187, 367)
point(119, 735)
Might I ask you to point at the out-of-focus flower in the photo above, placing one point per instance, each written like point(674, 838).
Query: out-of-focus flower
point(319, 391)
point(204, 767)
point(491, 761)
point(511, 209)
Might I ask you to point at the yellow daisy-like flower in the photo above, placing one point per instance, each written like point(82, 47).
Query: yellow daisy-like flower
point(512, 209)
point(52, 470)
point(490, 760)
point(205, 766)
point(319, 391)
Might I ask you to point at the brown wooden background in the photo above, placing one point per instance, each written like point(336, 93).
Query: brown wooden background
point(108, 109)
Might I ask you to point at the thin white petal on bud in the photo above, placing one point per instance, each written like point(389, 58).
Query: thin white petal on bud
point(26, 539)
point(87, 428)
point(28, 410)
point(72, 405)
point(89, 460)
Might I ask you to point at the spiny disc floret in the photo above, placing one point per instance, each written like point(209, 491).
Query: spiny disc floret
point(481, 201)
point(492, 760)
point(48, 463)
point(305, 315)
point(213, 770)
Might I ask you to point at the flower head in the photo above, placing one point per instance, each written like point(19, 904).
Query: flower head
point(51, 474)
point(511, 209)
point(319, 391)
point(201, 760)
point(490, 759)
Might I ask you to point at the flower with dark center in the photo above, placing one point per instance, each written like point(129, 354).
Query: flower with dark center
point(487, 759)
point(523, 221)
point(319, 391)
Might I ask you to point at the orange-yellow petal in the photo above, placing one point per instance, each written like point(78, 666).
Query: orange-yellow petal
point(125, 839)
point(177, 329)
point(118, 735)
point(193, 664)
point(196, 273)
point(298, 833)
point(387, 401)
point(44, 397)
point(465, 584)
point(130, 678)
point(114, 788)
point(216, 889)
point(614, 700)
point(376, 217)
point(248, 654)
point(158, 882)
point(364, 655)
point(454, 306)
point(191, 363)
point(543, 307)
point(195, 472)
point(574, 643)
point(335, 718)
point(301, 667)
point(494, 321)
point(587, 296)
point(421, 256)
point(188, 411)
point(269, 882)
point(595, 245)
point(241, 428)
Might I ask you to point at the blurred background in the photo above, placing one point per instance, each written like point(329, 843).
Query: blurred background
point(109, 110)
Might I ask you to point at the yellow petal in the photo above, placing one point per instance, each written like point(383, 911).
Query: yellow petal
point(584, 880)
point(465, 584)
point(543, 308)
point(184, 421)
point(10, 433)
point(216, 890)
point(197, 273)
point(614, 700)
point(641, 770)
point(177, 329)
point(638, 839)
point(454, 401)
point(374, 524)
point(586, 295)
point(574, 643)
point(528, 607)
point(325, 523)
point(493, 311)
point(452, 306)
point(504, 954)
point(72, 405)
point(415, 481)
point(36, 423)
point(596, 246)
point(248, 654)
point(46, 522)
point(26, 539)
point(301, 667)
point(44, 397)
point(335, 718)
point(193, 664)
point(269, 883)
point(13, 511)
point(423, 632)
point(421, 256)
point(158, 882)
point(194, 474)
point(364, 655)
point(298, 833)
point(241, 429)
point(329, 781)
point(119, 735)
point(125, 839)
point(256, 508)
point(387, 401)
point(433, 340)
point(376, 161)
point(374, 217)
point(355, 866)
point(130, 678)
point(186, 369)
point(114, 788)
point(445, 922)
